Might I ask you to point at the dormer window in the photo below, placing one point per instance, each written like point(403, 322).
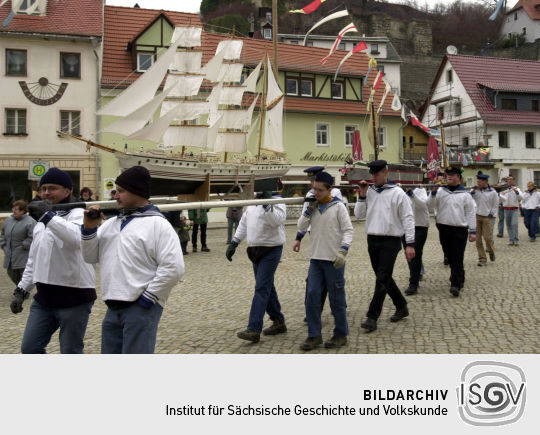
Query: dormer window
point(374, 48)
point(29, 7)
point(144, 61)
point(267, 33)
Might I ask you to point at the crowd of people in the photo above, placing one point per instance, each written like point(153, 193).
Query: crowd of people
point(141, 251)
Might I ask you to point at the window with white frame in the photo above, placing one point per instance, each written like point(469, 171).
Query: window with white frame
point(15, 122)
point(144, 61)
point(70, 122)
point(375, 48)
point(341, 46)
point(337, 90)
point(16, 62)
point(27, 4)
point(267, 33)
point(291, 86)
point(306, 88)
point(382, 137)
point(322, 133)
point(349, 134)
point(449, 76)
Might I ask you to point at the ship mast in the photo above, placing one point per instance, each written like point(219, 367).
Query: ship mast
point(263, 104)
point(374, 126)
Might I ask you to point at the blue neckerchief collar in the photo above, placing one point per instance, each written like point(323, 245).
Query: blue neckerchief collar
point(388, 185)
point(128, 214)
point(459, 189)
point(323, 207)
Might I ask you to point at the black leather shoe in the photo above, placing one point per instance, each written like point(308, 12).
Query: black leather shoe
point(411, 290)
point(205, 249)
point(492, 256)
point(369, 324)
point(400, 314)
point(454, 291)
point(336, 341)
point(311, 343)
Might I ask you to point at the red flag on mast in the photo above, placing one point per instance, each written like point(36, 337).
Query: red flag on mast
point(357, 147)
point(312, 7)
point(434, 162)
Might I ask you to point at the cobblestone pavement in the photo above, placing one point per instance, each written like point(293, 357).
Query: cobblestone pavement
point(498, 311)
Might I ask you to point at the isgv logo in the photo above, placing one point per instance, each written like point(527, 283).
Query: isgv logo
point(491, 393)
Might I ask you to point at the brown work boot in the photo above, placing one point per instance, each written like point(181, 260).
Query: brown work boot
point(336, 341)
point(278, 327)
point(249, 335)
point(311, 343)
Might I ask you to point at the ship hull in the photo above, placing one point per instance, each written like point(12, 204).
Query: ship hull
point(173, 176)
point(398, 173)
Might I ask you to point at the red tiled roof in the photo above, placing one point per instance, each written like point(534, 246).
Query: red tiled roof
point(512, 87)
point(68, 17)
point(531, 7)
point(122, 25)
point(516, 74)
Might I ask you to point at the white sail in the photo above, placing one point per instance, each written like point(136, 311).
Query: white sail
point(274, 92)
point(273, 129)
point(190, 109)
point(213, 67)
point(187, 36)
point(186, 135)
point(186, 85)
point(143, 90)
point(231, 142)
point(249, 113)
point(155, 130)
point(231, 49)
point(233, 119)
point(251, 81)
point(187, 62)
point(230, 72)
point(213, 102)
point(232, 95)
point(199, 136)
point(139, 118)
point(253, 128)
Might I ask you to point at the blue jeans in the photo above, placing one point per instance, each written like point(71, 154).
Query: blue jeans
point(43, 322)
point(500, 227)
point(511, 218)
point(130, 330)
point(321, 275)
point(531, 222)
point(265, 299)
point(230, 223)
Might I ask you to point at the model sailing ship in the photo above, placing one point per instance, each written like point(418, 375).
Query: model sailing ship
point(215, 124)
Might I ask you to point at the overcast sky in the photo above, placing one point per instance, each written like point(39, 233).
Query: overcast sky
point(193, 5)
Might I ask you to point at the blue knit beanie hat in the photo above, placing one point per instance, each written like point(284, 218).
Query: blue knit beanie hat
point(57, 176)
